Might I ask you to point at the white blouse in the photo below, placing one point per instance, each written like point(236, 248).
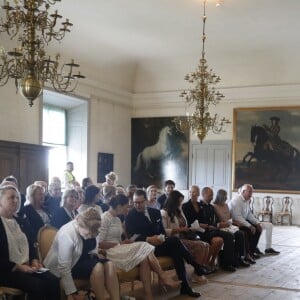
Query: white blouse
point(18, 247)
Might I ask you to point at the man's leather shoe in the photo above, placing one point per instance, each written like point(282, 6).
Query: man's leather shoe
point(188, 291)
point(229, 268)
point(257, 251)
point(271, 251)
point(243, 263)
point(201, 270)
point(256, 255)
point(250, 260)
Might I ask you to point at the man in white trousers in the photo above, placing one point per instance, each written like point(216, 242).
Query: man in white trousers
point(240, 210)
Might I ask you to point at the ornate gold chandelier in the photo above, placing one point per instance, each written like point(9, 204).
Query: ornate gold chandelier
point(31, 23)
point(201, 96)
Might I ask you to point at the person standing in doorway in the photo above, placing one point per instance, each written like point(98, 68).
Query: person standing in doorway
point(69, 178)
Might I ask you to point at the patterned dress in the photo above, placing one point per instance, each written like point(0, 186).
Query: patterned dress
point(125, 256)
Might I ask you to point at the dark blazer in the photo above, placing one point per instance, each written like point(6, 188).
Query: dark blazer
point(161, 200)
point(52, 204)
point(60, 218)
point(190, 213)
point(206, 214)
point(138, 223)
point(5, 264)
point(34, 219)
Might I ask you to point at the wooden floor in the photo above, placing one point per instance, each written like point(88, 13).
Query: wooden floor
point(271, 278)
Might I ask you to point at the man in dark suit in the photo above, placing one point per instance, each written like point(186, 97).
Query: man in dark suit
point(146, 223)
point(169, 187)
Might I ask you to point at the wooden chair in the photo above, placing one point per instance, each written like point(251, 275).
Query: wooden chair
point(267, 209)
point(7, 293)
point(286, 211)
point(251, 205)
point(45, 239)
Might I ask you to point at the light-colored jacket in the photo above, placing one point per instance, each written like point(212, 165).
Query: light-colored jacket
point(64, 253)
point(240, 211)
point(168, 224)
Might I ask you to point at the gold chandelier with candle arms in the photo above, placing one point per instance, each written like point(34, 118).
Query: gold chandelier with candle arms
point(201, 96)
point(31, 23)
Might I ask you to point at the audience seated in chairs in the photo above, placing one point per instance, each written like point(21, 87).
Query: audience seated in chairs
point(91, 198)
point(193, 213)
point(146, 222)
point(169, 186)
point(70, 258)
point(108, 192)
point(34, 208)
point(175, 224)
point(225, 223)
point(53, 198)
point(127, 254)
point(18, 261)
point(87, 181)
point(67, 212)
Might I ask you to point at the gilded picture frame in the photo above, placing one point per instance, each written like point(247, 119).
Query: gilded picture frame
point(266, 145)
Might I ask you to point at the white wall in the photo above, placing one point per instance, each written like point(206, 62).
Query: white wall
point(18, 122)
point(170, 104)
point(110, 132)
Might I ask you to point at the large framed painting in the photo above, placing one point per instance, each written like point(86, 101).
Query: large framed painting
point(266, 149)
point(158, 152)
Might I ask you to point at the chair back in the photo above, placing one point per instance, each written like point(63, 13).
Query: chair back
point(287, 203)
point(45, 238)
point(268, 204)
point(252, 205)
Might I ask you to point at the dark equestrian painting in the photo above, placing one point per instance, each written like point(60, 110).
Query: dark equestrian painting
point(266, 148)
point(158, 152)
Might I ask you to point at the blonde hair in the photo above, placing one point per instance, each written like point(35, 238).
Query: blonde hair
point(109, 191)
point(89, 219)
point(66, 194)
point(245, 187)
point(4, 187)
point(30, 192)
point(149, 188)
point(41, 183)
point(194, 186)
point(111, 176)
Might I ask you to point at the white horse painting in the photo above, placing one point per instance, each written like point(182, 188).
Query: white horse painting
point(155, 152)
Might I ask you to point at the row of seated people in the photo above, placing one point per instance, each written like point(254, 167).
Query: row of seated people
point(69, 256)
point(200, 253)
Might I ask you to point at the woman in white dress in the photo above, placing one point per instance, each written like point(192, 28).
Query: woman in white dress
point(127, 254)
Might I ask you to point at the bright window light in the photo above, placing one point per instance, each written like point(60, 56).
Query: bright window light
point(54, 125)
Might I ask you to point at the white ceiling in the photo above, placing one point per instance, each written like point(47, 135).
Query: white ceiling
point(149, 45)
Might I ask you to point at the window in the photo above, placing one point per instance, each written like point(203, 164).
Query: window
point(54, 125)
point(54, 135)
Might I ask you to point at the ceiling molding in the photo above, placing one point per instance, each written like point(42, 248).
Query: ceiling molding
point(253, 94)
point(91, 89)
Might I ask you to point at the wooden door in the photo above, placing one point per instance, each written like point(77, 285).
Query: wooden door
point(211, 165)
point(27, 162)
